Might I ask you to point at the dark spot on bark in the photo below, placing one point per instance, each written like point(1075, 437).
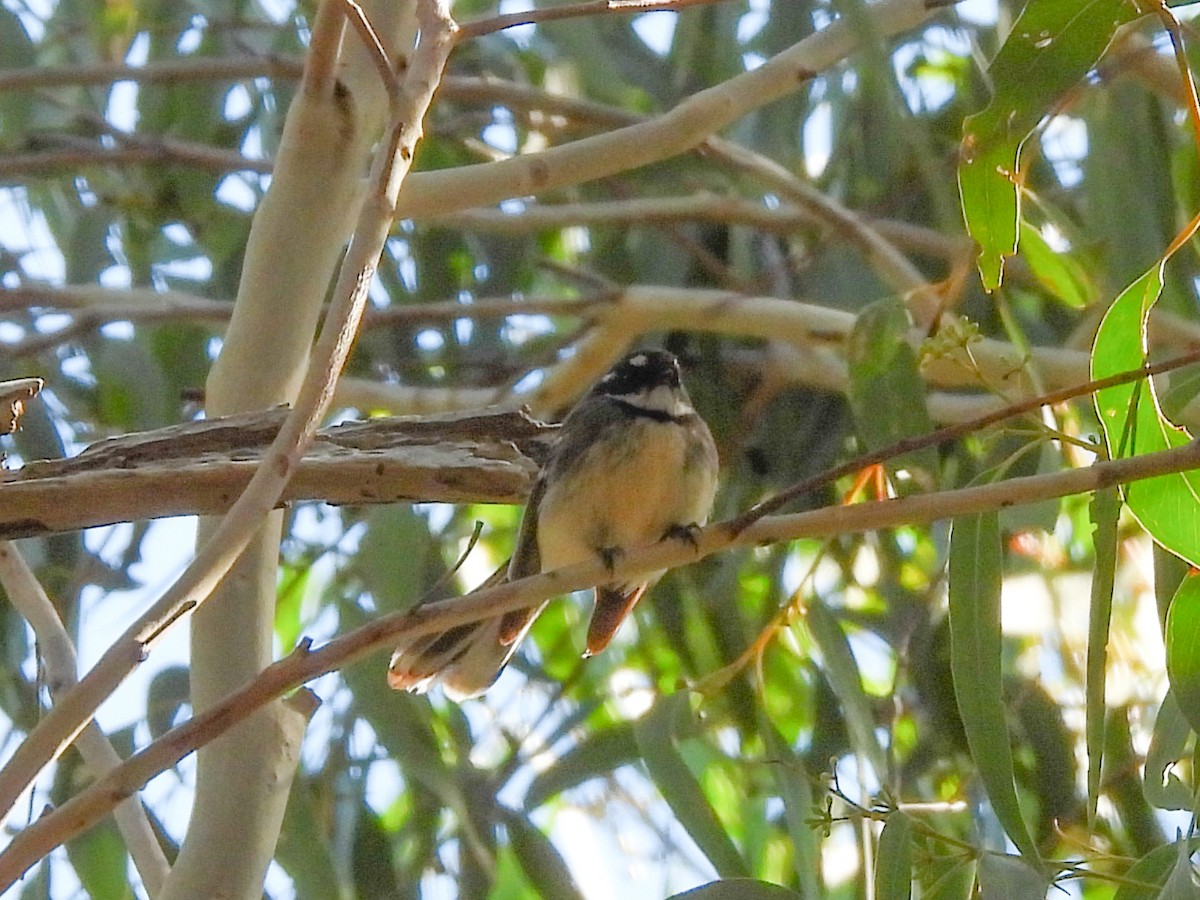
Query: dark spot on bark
point(22, 528)
point(803, 74)
point(344, 101)
point(539, 173)
point(380, 468)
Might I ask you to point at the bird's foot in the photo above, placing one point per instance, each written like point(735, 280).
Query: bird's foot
point(688, 534)
point(610, 556)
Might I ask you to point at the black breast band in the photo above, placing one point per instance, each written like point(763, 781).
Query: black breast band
point(635, 411)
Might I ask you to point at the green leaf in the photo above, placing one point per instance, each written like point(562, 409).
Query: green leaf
point(887, 393)
point(1005, 877)
point(893, 860)
point(303, 848)
point(597, 754)
point(1163, 788)
point(1183, 649)
point(796, 792)
point(1059, 273)
point(289, 603)
point(397, 559)
point(539, 859)
point(840, 667)
point(655, 734)
point(1181, 884)
point(1105, 510)
point(1168, 506)
point(371, 858)
point(1049, 48)
point(975, 556)
point(101, 862)
point(167, 694)
point(737, 889)
point(1144, 878)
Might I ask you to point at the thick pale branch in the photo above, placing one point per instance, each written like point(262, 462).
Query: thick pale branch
point(305, 664)
point(680, 129)
point(202, 467)
point(702, 206)
point(643, 309)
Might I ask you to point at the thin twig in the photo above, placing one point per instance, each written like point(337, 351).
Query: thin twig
point(174, 71)
point(375, 50)
point(479, 27)
point(953, 433)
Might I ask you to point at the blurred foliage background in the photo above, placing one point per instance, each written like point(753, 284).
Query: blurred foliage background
point(601, 778)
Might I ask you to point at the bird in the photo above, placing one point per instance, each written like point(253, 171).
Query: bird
point(633, 463)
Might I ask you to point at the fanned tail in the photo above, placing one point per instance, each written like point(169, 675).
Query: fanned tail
point(466, 660)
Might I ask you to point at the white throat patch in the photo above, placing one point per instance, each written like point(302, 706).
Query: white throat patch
point(661, 399)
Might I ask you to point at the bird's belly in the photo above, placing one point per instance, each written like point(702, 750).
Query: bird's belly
point(636, 491)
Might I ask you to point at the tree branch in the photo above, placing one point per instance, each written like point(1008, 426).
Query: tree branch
point(61, 667)
point(201, 467)
point(676, 131)
point(491, 24)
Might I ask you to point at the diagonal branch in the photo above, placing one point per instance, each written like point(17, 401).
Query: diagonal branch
point(676, 131)
point(61, 666)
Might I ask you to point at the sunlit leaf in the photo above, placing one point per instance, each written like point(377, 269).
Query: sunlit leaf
point(1059, 273)
point(1168, 506)
point(1049, 48)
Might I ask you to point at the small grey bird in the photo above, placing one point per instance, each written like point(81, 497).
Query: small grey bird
point(633, 464)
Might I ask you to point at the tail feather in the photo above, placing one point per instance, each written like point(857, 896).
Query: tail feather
point(465, 660)
point(613, 604)
point(513, 625)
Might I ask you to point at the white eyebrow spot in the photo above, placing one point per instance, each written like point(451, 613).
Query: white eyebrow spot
point(639, 360)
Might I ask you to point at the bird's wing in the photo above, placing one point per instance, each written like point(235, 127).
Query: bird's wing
point(526, 560)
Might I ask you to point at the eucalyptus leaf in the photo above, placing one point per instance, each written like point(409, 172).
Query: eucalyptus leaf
point(975, 557)
point(655, 734)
